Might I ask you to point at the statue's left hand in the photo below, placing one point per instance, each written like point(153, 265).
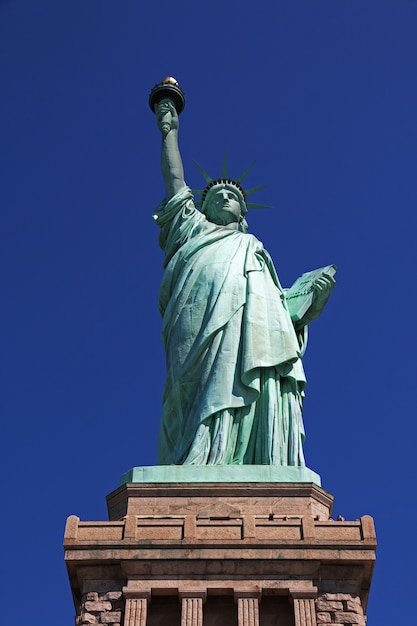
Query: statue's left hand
point(322, 287)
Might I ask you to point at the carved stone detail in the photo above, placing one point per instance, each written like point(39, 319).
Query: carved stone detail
point(192, 611)
point(248, 611)
point(136, 612)
point(304, 611)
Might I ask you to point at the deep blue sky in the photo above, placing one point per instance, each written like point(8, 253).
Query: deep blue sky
point(323, 95)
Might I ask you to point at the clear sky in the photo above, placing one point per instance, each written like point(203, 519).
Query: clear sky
point(322, 94)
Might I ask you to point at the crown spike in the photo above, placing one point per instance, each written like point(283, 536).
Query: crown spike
point(245, 173)
point(254, 189)
point(225, 180)
point(251, 205)
point(224, 168)
point(206, 177)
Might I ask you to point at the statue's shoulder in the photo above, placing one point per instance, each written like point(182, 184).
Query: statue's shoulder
point(181, 203)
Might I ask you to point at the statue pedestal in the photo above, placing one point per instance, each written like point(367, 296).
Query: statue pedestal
point(244, 554)
point(220, 474)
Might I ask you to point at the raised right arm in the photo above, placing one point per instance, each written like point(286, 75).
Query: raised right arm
point(171, 162)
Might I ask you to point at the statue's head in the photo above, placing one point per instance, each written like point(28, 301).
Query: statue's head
point(223, 200)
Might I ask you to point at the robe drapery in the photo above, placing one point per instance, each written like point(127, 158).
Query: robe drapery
point(235, 380)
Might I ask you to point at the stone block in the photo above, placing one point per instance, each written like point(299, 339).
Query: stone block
point(275, 532)
point(328, 605)
point(323, 618)
point(98, 606)
point(218, 531)
point(368, 528)
point(338, 596)
point(243, 499)
point(350, 618)
point(190, 526)
point(336, 531)
point(111, 596)
point(71, 528)
point(86, 618)
point(91, 595)
point(109, 531)
point(110, 617)
point(161, 532)
point(249, 526)
point(354, 605)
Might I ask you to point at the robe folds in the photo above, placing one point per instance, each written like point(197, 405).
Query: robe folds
point(235, 379)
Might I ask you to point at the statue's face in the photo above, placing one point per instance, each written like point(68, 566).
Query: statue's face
point(223, 207)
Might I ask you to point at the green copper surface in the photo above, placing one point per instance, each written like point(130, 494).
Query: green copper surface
point(235, 379)
point(220, 474)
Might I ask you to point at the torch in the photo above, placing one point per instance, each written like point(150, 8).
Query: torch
point(167, 89)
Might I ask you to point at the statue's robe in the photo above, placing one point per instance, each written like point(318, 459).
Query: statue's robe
point(235, 380)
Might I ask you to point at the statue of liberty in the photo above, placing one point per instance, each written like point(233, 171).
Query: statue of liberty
point(235, 379)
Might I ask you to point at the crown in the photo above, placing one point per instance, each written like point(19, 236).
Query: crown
point(225, 180)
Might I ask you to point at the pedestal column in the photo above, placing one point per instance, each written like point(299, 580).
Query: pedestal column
point(136, 608)
point(247, 607)
point(192, 607)
point(304, 607)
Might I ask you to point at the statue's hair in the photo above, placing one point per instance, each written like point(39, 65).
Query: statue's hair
point(243, 225)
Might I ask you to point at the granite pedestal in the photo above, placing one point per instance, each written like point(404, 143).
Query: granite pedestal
point(244, 554)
